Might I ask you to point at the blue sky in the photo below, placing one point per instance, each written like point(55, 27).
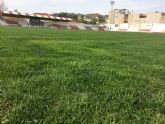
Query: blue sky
point(84, 6)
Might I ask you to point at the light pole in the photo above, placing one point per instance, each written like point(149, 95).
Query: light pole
point(1, 7)
point(112, 2)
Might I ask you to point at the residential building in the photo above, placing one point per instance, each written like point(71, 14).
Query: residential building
point(118, 16)
point(152, 17)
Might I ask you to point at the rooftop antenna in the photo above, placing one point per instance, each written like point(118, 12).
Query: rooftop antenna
point(112, 2)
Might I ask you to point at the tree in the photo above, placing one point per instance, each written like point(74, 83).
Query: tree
point(93, 22)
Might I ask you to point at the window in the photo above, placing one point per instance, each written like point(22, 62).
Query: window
point(163, 14)
point(142, 16)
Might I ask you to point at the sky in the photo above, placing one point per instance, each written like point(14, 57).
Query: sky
point(84, 6)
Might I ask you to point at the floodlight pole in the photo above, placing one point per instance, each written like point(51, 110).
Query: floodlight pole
point(1, 8)
point(112, 2)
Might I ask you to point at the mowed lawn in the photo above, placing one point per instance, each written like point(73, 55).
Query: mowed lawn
point(81, 77)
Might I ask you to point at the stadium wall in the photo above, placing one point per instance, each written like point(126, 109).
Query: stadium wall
point(158, 28)
point(134, 27)
point(123, 27)
point(144, 27)
point(112, 27)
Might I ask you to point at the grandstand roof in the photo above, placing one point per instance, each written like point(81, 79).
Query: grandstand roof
point(38, 15)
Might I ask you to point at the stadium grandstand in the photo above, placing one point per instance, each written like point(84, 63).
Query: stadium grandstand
point(11, 18)
point(15, 18)
point(25, 19)
point(119, 20)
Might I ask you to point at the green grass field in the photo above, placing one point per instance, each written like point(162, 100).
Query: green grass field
point(81, 77)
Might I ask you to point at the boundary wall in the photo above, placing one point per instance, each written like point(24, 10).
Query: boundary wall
point(144, 27)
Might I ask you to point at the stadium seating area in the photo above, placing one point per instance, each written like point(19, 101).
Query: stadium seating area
point(58, 26)
point(64, 24)
point(2, 22)
point(12, 22)
point(23, 23)
point(81, 27)
point(88, 28)
point(73, 27)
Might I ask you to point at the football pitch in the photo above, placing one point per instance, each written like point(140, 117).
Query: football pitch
point(81, 77)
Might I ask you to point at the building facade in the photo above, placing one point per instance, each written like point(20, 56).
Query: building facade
point(120, 16)
point(153, 17)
